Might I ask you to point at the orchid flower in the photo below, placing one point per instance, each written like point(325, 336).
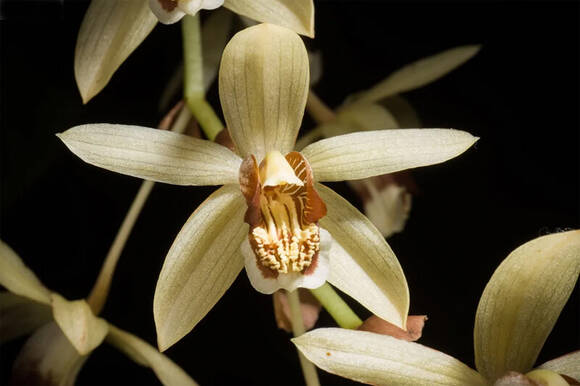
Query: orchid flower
point(387, 198)
point(112, 30)
point(64, 333)
point(270, 216)
point(516, 313)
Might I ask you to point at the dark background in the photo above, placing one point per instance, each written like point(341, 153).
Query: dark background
point(520, 181)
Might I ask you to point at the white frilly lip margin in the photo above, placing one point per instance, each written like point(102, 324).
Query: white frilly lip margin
point(288, 281)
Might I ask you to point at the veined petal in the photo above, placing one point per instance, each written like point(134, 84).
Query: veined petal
point(522, 302)
point(202, 263)
point(361, 262)
point(110, 32)
point(166, 11)
point(76, 320)
point(298, 15)
point(143, 353)
point(420, 73)
point(152, 154)
point(47, 358)
point(263, 84)
point(20, 316)
point(371, 153)
point(380, 359)
point(18, 278)
point(568, 364)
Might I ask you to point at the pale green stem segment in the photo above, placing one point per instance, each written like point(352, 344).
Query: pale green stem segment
point(308, 369)
point(193, 91)
point(98, 295)
point(336, 307)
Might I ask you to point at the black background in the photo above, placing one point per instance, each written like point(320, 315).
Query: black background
point(520, 181)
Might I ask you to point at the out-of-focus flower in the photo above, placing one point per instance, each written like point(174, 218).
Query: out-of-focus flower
point(386, 199)
point(64, 333)
point(112, 30)
point(516, 312)
point(263, 84)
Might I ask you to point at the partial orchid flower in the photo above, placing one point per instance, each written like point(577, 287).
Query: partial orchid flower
point(516, 313)
point(272, 215)
point(64, 333)
point(386, 198)
point(112, 30)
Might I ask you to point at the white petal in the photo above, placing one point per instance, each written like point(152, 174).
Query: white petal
point(361, 262)
point(76, 320)
point(360, 155)
point(152, 154)
point(568, 364)
point(20, 316)
point(143, 353)
point(381, 359)
point(110, 32)
point(263, 86)
point(522, 302)
point(18, 278)
point(202, 263)
point(47, 358)
point(166, 13)
point(191, 7)
point(420, 73)
point(298, 15)
point(289, 281)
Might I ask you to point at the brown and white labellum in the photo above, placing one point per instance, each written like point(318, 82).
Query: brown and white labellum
point(286, 248)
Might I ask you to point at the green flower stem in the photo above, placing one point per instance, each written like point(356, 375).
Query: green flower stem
point(193, 90)
point(100, 291)
point(308, 369)
point(336, 307)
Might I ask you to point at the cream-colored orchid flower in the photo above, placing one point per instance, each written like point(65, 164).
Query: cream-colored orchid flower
point(112, 30)
point(386, 199)
point(64, 333)
point(517, 311)
point(295, 224)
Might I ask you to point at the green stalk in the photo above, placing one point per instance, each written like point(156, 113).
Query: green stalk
point(308, 369)
point(336, 307)
point(193, 91)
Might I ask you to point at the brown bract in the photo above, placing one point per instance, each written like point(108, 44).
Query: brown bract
point(415, 324)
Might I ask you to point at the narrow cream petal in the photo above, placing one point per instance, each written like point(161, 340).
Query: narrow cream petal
point(360, 155)
point(166, 11)
point(202, 263)
point(18, 278)
point(288, 281)
point(298, 15)
point(76, 320)
point(361, 262)
point(20, 316)
point(380, 359)
point(568, 364)
point(143, 353)
point(47, 358)
point(263, 85)
point(522, 302)
point(364, 117)
point(110, 32)
point(420, 73)
point(214, 36)
point(152, 154)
